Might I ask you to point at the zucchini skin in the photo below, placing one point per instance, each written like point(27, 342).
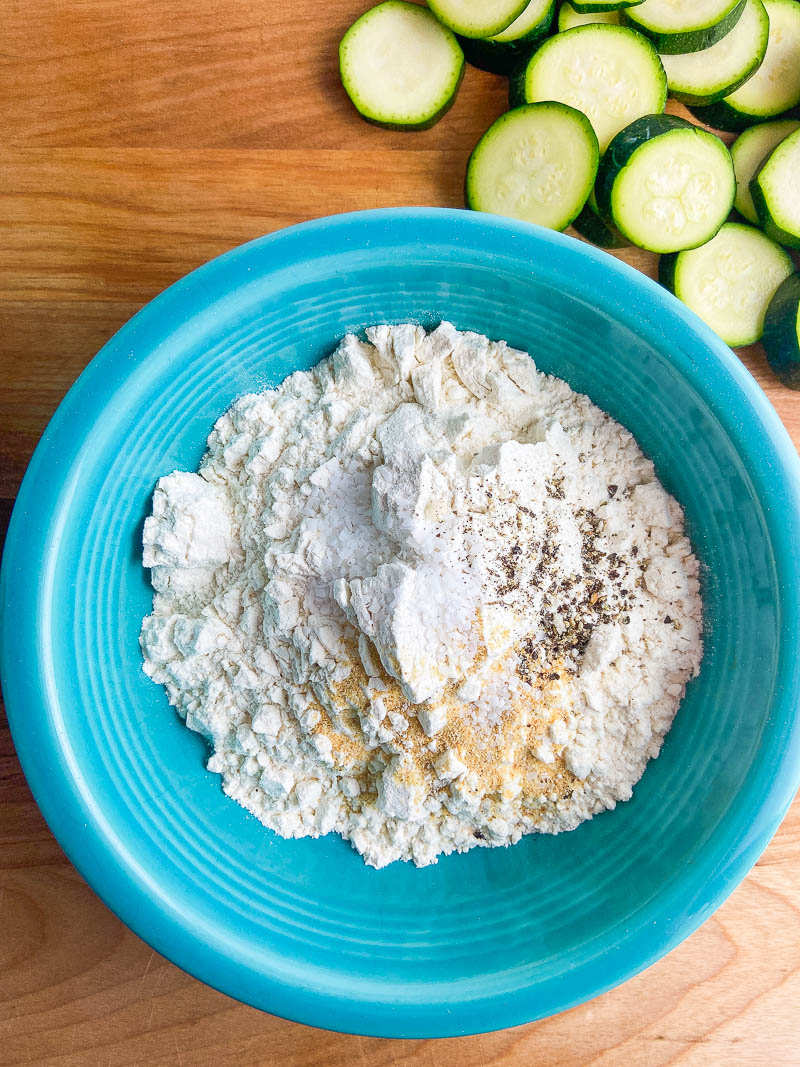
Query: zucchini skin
point(588, 8)
point(698, 100)
point(598, 231)
point(419, 126)
point(766, 220)
point(749, 215)
point(721, 116)
point(562, 17)
point(516, 83)
point(693, 102)
point(780, 339)
point(671, 44)
point(461, 31)
point(622, 148)
point(666, 270)
point(502, 57)
point(497, 57)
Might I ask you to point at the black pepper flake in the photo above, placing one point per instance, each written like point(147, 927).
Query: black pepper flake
point(479, 835)
point(612, 490)
point(667, 619)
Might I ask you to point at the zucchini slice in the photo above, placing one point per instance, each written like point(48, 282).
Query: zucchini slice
point(706, 76)
point(729, 281)
point(749, 151)
point(775, 86)
point(477, 18)
point(677, 26)
point(568, 17)
point(536, 163)
point(775, 190)
point(665, 184)
point(501, 53)
point(530, 25)
point(782, 332)
point(610, 73)
point(400, 67)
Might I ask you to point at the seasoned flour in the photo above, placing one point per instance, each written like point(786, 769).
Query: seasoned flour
point(422, 596)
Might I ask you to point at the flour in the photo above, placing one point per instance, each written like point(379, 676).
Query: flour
point(422, 596)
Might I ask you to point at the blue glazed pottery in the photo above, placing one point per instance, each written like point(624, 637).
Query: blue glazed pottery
point(303, 928)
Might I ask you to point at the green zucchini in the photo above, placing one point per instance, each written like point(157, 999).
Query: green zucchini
point(568, 17)
point(400, 67)
point(595, 229)
point(592, 7)
point(748, 151)
point(531, 24)
point(501, 53)
point(665, 184)
point(775, 87)
point(477, 18)
point(729, 281)
point(536, 163)
point(610, 73)
point(775, 190)
point(705, 76)
point(677, 26)
point(782, 332)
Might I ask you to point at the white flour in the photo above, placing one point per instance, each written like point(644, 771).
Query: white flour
point(424, 597)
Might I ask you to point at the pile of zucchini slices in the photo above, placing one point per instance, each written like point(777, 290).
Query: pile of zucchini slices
point(586, 142)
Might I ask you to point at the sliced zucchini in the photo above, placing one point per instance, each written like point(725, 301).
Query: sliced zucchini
point(782, 332)
point(775, 190)
point(506, 50)
point(536, 163)
point(569, 17)
point(531, 24)
point(477, 18)
point(400, 67)
point(665, 184)
point(775, 86)
point(705, 76)
point(591, 7)
point(677, 26)
point(729, 281)
point(595, 229)
point(610, 73)
point(748, 151)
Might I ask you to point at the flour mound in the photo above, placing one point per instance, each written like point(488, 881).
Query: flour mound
point(424, 597)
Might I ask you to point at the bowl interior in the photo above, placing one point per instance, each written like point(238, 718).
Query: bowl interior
point(303, 928)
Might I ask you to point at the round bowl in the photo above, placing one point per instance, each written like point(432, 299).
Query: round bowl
point(304, 929)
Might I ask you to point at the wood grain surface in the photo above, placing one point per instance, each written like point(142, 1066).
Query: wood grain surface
point(138, 139)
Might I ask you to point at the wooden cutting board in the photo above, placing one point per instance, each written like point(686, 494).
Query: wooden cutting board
point(139, 139)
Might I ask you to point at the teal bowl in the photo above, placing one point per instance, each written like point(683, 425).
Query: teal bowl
point(304, 929)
